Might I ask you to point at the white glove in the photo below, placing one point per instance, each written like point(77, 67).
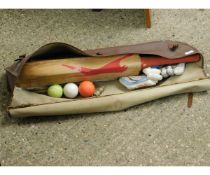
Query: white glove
point(155, 77)
point(164, 72)
point(151, 70)
point(153, 74)
point(170, 70)
point(177, 69)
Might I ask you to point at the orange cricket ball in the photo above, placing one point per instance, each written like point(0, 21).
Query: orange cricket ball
point(86, 89)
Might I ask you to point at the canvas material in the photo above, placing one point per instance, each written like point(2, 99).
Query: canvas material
point(110, 103)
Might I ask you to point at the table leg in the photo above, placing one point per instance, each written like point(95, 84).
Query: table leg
point(147, 13)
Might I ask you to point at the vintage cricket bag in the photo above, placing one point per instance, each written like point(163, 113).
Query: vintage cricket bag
point(62, 63)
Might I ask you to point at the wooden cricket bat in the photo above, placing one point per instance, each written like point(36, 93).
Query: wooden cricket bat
point(47, 72)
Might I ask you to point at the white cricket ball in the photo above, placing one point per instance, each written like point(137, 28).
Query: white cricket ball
point(70, 90)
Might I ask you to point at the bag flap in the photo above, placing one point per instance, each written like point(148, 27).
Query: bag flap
point(168, 49)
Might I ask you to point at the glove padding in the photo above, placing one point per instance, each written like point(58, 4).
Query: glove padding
point(177, 69)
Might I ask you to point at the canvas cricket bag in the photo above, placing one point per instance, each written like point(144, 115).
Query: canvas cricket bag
point(61, 63)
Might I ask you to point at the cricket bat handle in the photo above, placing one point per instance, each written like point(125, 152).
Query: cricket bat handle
point(155, 61)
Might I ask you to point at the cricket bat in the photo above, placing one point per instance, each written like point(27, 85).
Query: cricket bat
point(59, 71)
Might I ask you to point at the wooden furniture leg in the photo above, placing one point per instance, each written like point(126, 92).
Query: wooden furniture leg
point(147, 13)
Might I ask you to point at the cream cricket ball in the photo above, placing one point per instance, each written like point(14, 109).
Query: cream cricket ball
point(70, 90)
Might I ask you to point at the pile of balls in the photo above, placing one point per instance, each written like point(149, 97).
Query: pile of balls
point(71, 90)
